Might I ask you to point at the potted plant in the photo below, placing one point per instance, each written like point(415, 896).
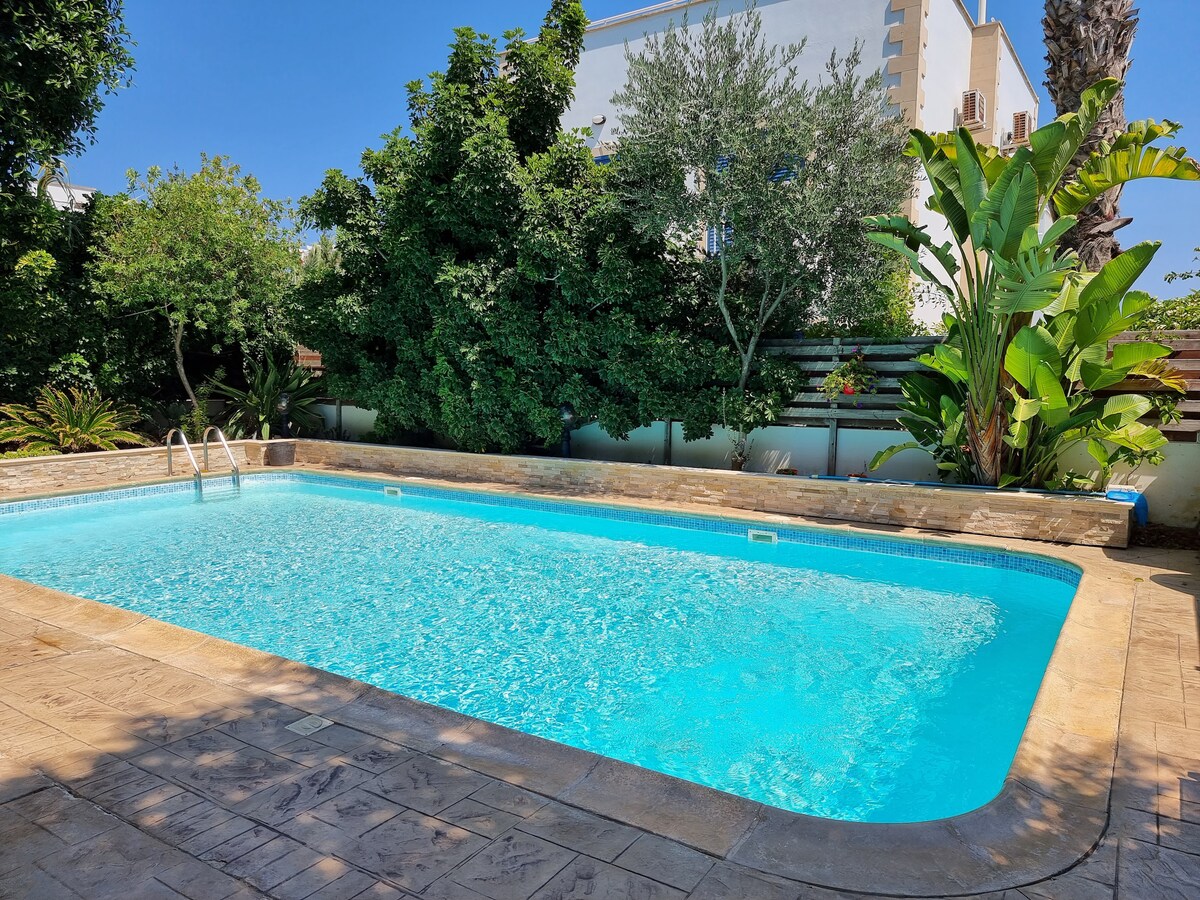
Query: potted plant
point(740, 415)
point(849, 378)
point(278, 400)
point(741, 450)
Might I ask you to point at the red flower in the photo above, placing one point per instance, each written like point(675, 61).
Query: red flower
point(848, 389)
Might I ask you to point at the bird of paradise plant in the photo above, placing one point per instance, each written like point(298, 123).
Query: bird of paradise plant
point(1028, 329)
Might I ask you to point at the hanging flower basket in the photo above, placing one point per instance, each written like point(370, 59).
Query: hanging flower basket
point(851, 377)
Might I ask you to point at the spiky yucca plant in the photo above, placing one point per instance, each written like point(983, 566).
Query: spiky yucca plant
point(1087, 41)
point(254, 411)
point(74, 422)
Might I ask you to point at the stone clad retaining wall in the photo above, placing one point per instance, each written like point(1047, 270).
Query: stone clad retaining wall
point(1066, 519)
point(78, 471)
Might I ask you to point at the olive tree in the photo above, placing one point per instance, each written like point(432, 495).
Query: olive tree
point(761, 176)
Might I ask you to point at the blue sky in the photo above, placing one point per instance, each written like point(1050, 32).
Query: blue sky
point(290, 88)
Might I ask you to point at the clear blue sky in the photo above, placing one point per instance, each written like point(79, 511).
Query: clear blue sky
point(290, 88)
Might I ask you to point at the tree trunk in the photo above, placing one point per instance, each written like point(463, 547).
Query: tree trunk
point(747, 363)
point(985, 439)
point(1087, 40)
point(187, 385)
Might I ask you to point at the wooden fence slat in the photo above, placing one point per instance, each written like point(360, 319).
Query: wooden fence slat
point(827, 350)
point(1186, 334)
point(879, 365)
point(839, 413)
point(875, 399)
point(894, 358)
point(850, 343)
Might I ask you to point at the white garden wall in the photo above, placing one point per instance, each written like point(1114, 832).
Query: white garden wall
point(776, 447)
point(355, 422)
point(1172, 489)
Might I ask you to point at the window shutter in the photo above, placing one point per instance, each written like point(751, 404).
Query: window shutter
point(710, 238)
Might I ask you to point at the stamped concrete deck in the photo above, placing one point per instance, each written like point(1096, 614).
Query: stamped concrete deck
point(143, 760)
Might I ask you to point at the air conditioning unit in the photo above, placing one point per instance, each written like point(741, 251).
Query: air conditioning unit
point(974, 109)
point(1021, 128)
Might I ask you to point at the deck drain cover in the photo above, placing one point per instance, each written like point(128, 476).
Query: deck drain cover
point(309, 725)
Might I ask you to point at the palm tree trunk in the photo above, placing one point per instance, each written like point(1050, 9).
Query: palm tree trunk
point(1087, 40)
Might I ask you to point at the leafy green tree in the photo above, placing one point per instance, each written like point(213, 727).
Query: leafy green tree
point(487, 275)
point(539, 80)
point(724, 139)
point(57, 60)
point(1177, 276)
point(1174, 314)
point(36, 325)
point(54, 328)
point(1177, 313)
point(1029, 389)
point(206, 255)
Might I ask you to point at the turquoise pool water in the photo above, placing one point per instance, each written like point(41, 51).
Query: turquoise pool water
point(854, 682)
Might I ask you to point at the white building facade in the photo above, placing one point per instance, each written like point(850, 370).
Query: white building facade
point(74, 197)
point(944, 67)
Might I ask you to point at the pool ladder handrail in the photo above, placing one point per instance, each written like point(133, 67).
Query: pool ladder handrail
point(191, 458)
point(237, 472)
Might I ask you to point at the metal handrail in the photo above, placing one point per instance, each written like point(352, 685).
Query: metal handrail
point(191, 457)
point(237, 473)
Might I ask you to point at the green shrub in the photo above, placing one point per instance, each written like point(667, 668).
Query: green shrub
point(28, 454)
point(74, 422)
point(1180, 314)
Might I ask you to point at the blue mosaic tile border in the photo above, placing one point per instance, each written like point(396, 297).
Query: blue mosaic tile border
point(173, 487)
point(812, 536)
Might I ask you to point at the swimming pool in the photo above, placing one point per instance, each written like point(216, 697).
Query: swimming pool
point(831, 674)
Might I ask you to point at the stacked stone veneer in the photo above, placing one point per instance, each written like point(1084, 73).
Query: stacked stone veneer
point(1073, 520)
point(1068, 519)
point(81, 471)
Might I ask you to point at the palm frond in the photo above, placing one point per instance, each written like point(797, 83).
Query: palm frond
point(77, 422)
